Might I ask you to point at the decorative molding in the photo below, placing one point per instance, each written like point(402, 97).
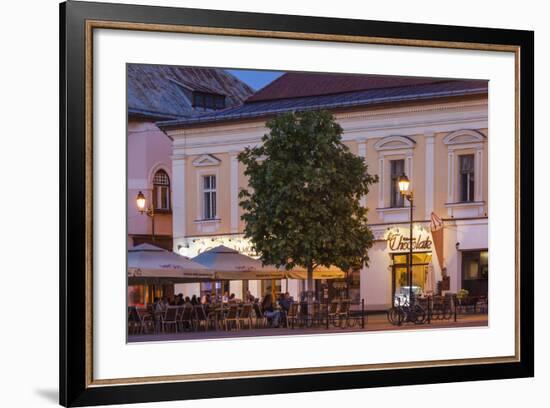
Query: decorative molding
point(362, 152)
point(159, 166)
point(178, 187)
point(429, 174)
point(206, 160)
point(466, 209)
point(462, 140)
point(208, 226)
point(234, 190)
point(466, 136)
point(394, 214)
point(394, 143)
point(368, 113)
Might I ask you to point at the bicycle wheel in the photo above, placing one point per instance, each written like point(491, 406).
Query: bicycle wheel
point(395, 316)
point(418, 315)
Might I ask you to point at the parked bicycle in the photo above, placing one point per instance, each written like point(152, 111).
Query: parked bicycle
point(404, 313)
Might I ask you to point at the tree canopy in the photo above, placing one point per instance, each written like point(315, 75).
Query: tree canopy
point(303, 203)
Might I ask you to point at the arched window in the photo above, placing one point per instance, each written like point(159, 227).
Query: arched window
point(161, 190)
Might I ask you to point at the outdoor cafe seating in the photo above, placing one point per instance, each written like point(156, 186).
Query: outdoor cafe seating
point(239, 316)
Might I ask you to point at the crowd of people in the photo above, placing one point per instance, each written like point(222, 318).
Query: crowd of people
point(273, 309)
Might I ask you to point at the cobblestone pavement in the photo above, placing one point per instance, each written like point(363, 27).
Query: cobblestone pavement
point(374, 322)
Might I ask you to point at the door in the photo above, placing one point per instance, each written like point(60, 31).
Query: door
point(400, 269)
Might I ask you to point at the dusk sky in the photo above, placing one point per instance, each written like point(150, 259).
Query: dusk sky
point(255, 79)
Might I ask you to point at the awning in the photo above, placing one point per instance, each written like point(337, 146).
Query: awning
point(320, 272)
point(149, 263)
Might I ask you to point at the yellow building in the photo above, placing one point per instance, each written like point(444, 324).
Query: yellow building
point(433, 130)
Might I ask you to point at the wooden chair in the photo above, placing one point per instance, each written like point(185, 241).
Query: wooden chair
point(185, 318)
point(232, 317)
point(343, 313)
point(292, 315)
point(147, 321)
point(261, 320)
point(246, 315)
point(170, 318)
point(316, 314)
point(332, 314)
point(201, 317)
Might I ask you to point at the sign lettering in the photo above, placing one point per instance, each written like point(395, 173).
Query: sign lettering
point(398, 242)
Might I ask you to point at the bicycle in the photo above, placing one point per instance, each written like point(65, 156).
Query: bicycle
point(404, 313)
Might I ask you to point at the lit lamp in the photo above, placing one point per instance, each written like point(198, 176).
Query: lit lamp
point(150, 211)
point(404, 185)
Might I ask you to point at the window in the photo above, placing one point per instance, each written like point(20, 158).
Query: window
point(161, 191)
point(397, 169)
point(209, 197)
point(466, 174)
point(475, 272)
point(208, 101)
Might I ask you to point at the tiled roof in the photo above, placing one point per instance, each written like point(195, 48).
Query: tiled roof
point(163, 92)
point(300, 84)
point(411, 92)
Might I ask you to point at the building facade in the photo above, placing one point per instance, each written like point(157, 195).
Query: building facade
point(157, 92)
point(434, 131)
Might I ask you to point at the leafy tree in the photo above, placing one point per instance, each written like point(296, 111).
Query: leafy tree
point(303, 207)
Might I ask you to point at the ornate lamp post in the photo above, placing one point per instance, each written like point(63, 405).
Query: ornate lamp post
point(404, 185)
point(149, 211)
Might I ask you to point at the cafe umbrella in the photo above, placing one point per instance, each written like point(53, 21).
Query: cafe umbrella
point(151, 264)
point(229, 264)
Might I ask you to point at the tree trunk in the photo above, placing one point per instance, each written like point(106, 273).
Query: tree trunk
point(310, 291)
point(310, 286)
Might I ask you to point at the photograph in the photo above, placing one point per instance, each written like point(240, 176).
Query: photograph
point(288, 203)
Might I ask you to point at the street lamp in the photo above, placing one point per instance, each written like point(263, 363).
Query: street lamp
point(149, 211)
point(404, 185)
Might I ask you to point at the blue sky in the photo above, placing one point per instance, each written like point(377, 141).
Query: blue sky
point(255, 79)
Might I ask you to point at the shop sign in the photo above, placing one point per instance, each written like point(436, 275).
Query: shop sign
point(398, 240)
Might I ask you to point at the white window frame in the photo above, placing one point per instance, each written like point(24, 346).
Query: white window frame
point(206, 165)
point(213, 195)
point(470, 194)
point(157, 192)
point(393, 148)
point(401, 200)
point(463, 142)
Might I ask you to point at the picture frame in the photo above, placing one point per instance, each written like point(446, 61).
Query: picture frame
point(78, 20)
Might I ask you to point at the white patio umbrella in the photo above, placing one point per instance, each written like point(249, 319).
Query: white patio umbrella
point(147, 262)
point(229, 264)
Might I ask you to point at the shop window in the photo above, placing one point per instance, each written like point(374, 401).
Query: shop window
point(475, 272)
point(397, 169)
point(466, 177)
point(161, 191)
point(209, 197)
point(400, 268)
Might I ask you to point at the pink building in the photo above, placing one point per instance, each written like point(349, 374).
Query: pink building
point(160, 93)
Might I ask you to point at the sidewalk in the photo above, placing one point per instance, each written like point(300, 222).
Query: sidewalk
point(374, 322)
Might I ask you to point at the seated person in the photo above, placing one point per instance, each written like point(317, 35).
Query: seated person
point(285, 301)
point(269, 310)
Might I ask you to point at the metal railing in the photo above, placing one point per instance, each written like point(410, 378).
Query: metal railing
point(342, 313)
point(424, 310)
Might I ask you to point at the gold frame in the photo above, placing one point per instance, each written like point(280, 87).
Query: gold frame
point(99, 24)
